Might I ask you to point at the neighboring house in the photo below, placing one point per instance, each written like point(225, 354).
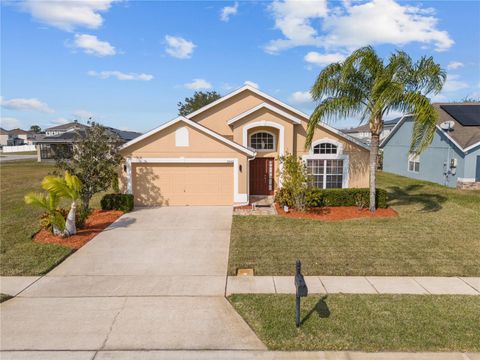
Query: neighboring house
point(61, 145)
point(60, 129)
point(3, 137)
point(363, 132)
point(228, 151)
point(452, 159)
point(18, 137)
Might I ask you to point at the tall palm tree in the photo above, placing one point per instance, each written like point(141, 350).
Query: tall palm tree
point(68, 187)
point(50, 203)
point(364, 86)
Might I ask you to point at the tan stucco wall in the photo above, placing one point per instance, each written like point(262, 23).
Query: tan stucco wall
point(216, 118)
point(201, 145)
point(358, 156)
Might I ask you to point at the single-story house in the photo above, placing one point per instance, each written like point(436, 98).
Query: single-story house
point(363, 132)
point(61, 144)
point(453, 157)
point(228, 151)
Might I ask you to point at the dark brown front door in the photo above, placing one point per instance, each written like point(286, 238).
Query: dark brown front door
point(262, 176)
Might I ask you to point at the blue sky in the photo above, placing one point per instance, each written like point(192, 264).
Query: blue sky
point(128, 63)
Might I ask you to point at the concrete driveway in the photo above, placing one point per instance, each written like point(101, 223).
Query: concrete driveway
point(155, 279)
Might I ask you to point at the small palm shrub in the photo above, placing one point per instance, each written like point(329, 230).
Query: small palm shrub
point(55, 218)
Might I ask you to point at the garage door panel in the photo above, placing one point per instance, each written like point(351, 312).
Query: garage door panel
point(183, 184)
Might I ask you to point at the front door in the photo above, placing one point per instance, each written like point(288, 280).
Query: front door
point(261, 176)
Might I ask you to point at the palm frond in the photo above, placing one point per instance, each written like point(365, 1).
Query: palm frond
point(344, 106)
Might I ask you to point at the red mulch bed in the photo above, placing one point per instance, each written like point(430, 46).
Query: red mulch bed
point(95, 223)
point(336, 213)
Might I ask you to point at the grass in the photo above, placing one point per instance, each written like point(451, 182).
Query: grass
point(18, 153)
point(436, 234)
point(364, 322)
point(19, 255)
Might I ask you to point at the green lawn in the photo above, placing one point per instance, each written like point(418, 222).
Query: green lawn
point(437, 233)
point(364, 322)
point(18, 153)
point(19, 255)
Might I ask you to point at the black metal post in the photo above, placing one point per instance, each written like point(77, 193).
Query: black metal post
point(301, 290)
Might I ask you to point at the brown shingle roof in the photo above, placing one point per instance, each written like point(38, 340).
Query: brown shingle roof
point(464, 136)
point(67, 126)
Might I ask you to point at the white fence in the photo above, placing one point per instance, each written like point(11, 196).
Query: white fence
point(19, 148)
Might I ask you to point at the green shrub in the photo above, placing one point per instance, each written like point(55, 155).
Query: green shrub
point(295, 182)
point(315, 197)
point(123, 202)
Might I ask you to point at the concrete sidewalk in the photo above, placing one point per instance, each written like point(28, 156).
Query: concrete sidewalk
point(233, 355)
point(356, 285)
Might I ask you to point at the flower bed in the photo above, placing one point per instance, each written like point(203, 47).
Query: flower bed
point(95, 223)
point(336, 213)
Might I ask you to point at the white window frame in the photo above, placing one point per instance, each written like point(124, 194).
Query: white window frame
point(266, 132)
point(338, 144)
point(324, 157)
point(414, 159)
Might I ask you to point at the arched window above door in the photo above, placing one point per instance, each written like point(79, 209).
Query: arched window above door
point(262, 141)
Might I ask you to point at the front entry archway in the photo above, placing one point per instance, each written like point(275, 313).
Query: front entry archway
point(262, 176)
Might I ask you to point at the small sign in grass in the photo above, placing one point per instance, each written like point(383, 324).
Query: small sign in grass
point(365, 322)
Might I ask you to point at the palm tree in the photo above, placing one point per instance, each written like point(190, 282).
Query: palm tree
point(50, 203)
point(363, 85)
point(69, 187)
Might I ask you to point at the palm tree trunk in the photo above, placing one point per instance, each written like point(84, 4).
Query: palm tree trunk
point(373, 167)
point(70, 227)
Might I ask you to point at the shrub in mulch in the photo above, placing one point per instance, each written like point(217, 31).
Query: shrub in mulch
point(123, 202)
point(96, 222)
point(336, 213)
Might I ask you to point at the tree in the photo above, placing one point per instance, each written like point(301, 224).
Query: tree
point(68, 187)
point(35, 128)
point(363, 85)
point(95, 161)
point(197, 101)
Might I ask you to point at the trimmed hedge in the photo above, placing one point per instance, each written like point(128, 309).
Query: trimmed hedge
point(315, 197)
point(123, 202)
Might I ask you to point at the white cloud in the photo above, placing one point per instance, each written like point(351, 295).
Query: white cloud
point(198, 84)
point(293, 19)
point(25, 104)
point(120, 75)
point(8, 123)
point(83, 114)
point(301, 97)
point(252, 84)
point(67, 15)
point(385, 22)
point(228, 11)
point(90, 44)
point(350, 26)
point(179, 47)
point(316, 58)
point(454, 65)
point(454, 83)
point(60, 121)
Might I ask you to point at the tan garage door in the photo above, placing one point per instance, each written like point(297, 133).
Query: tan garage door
point(183, 184)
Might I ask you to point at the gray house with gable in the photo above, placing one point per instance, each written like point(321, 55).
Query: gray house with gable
point(453, 157)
